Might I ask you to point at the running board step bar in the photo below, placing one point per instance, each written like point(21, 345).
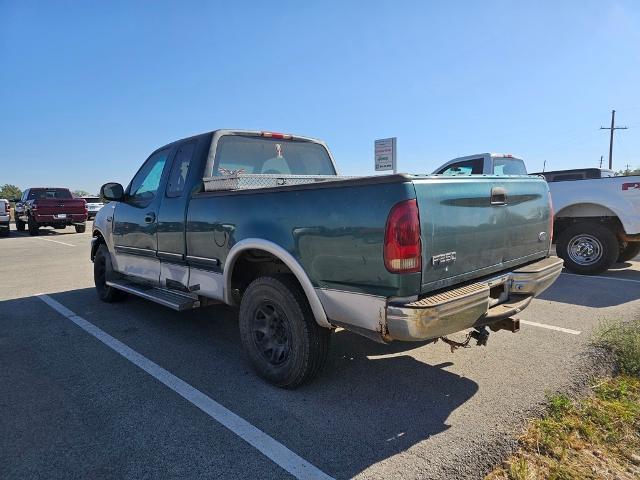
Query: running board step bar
point(168, 298)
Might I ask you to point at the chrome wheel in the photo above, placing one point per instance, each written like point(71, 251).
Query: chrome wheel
point(584, 249)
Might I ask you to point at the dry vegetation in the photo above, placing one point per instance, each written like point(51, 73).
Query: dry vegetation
point(594, 437)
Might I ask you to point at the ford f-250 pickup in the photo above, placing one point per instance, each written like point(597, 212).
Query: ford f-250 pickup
point(263, 221)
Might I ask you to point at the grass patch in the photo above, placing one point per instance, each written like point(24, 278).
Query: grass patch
point(594, 437)
point(623, 340)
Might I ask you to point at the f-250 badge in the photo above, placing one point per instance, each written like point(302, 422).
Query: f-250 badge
point(443, 259)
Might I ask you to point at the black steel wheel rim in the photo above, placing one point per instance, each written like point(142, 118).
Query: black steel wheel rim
point(271, 333)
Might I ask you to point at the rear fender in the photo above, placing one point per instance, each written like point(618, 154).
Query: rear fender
point(288, 260)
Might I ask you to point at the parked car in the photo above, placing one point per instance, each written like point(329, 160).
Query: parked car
point(5, 216)
point(94, 204)
point(483, 164)
point(50, 207)
point(597, 219)
point(263, 221)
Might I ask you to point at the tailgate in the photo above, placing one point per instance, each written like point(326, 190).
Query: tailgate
point(476, 225)
point(56, 206)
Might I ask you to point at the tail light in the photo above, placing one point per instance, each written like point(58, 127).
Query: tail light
point(277, 135)
point(402, 246)
point(551, 215)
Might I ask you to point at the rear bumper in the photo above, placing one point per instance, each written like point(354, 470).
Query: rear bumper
point(55, 220)
point(481, 303)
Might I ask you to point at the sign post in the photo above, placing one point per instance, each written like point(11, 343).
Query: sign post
point(385, 154)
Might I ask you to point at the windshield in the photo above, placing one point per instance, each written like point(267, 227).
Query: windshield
point(49, 193)
point(508, 166)
point(240, 154)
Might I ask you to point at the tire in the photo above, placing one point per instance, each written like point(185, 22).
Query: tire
point(629, 252)
point(20, 225)
point(4, 232)
point(81, 228)
point(33, 227)
point(102, 270)
point(588, 248)
point(294, 348)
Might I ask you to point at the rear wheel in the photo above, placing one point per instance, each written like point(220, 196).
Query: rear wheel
point(587, 248)
point(4, 232)
point(279, 333)
point(629, 252)
point(102, 270)
point(33, 227)
point(81, 228)
point(19, 225)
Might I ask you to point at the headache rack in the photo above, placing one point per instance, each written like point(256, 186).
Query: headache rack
point(246, 181)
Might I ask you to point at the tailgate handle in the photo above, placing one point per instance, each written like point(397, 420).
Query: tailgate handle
point(498, 196)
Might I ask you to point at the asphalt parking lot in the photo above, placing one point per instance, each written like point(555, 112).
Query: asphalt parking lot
point(72, 407)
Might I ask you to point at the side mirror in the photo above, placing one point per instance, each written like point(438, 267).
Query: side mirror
point(112, 191)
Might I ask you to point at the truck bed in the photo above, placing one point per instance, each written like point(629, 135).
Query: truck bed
point(335, 229)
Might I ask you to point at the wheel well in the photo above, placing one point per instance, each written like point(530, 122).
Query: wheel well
point(251, 264)
point(561, 223)
point(99, 239)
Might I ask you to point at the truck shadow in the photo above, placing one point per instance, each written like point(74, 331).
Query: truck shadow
point(596, 291)
point(371, 402)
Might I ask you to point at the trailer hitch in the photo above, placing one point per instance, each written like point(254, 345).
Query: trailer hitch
point(479, 334)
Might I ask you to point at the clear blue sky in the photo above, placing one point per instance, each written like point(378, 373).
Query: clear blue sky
point(88, 89)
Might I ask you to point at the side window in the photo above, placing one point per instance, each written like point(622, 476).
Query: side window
point(467, 167)
point(144, 185)
point(180, 169)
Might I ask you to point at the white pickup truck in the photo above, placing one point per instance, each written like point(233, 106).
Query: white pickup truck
point(597, 218)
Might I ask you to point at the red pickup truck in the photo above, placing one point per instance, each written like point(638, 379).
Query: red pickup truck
point(50, 207)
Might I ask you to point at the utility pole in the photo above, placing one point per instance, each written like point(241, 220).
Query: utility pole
point(613, 128)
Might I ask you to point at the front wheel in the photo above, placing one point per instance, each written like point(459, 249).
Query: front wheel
point(33, 227)
point(279, 333)
point(81, 228)
point(587, 248)
point(629, 252)
point(102, 270)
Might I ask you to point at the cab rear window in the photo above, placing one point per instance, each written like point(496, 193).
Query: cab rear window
point(240, 154)
point(49, 193)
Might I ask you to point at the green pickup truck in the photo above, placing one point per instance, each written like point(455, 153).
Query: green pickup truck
point(263, 221)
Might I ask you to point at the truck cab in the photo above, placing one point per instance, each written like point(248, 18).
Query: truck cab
point(483, 164)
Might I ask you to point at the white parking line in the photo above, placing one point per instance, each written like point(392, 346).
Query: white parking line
point(602, 277)
point(275, 451)
point(551, 327)
point(56, 241)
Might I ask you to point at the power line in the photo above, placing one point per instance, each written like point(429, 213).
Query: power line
point(612, 128)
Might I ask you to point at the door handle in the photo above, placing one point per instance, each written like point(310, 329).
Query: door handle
point(498, 196)
point(150, 217)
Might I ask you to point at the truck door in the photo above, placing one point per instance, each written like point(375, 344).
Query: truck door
point(135, 220)
point(172, 218)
